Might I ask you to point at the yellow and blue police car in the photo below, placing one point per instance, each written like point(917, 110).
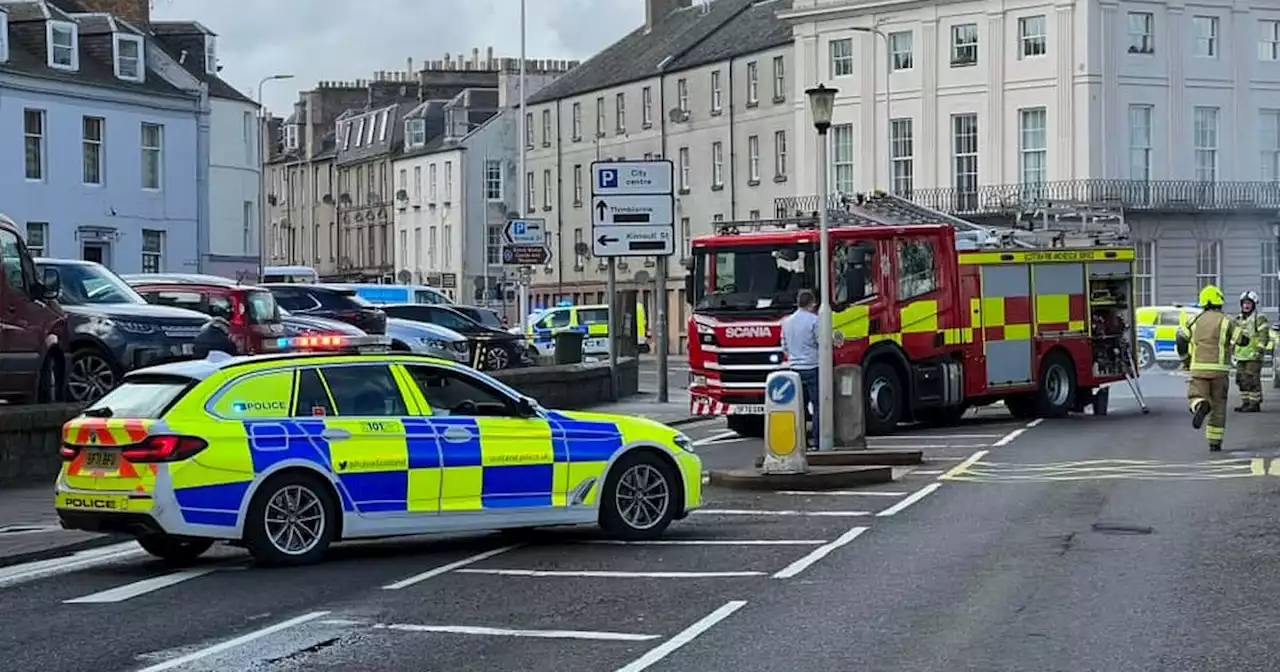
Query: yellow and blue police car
point(1157, 331)
point(287, 453)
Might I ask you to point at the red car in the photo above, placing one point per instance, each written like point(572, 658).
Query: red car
point(33, 328)
point(252, 316)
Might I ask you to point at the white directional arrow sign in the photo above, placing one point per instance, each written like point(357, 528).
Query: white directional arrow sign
point(632, 241)
point(632, 209)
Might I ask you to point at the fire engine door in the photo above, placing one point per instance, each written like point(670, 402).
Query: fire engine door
point(1006, 323)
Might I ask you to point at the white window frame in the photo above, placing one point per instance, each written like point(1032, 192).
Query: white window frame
point(577, 122)
point(417, 185)
point(902, 156)
point(964, 44)
point(717, 99)
point(41, 250)
point(37, 142)
point(1033, 39)
point(1269, 40)
point(95, 145)
point(360, 133)
point(601, 116)
point(546, 188)
point(646, 107)
point(753, 83)
point(448, 181)
point(4, 37)
point(1033, 146)
point(682, 94)
point(416, 131)
point(493, 247)
point(620, 112)
point(291, 140)
point(779, 155)
point(371, 129)
point(1269, 287)
point(717, 165)
point(493, 181)
point(432, 188)
point(154, 256)
point(1205, 131)
point(211, 54)
point(1140, 141)
point(1142, 33)
point(1144, 272)
point(965, 157)
point(383, 122)
point(842, 159)
point(1269, 144)
point(577, 184)
point(1208, 262)
point(753, 158)
point(120, 60)
point(51, 30)
point(780, 78)
point(530, 192)
point(685, 168)
point(840, 57)
point(901, 44)
point(1205, 30)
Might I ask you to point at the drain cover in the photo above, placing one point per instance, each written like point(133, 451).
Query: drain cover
point(1120, 528)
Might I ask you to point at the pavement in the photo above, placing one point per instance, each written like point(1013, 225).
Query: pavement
point(1085, 543)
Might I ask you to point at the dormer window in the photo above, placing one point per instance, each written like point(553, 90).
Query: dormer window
point(4, 36)
point(63, 38)
point(291, 136)
point(415, 132)
point(210, 55)
point(128, 57)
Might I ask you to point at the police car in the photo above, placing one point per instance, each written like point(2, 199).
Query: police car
point(287, 453)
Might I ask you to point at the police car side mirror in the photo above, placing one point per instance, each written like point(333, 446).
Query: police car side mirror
point(527, 407)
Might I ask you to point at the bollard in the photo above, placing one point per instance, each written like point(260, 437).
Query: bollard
point(784, 435)
point(849, 413)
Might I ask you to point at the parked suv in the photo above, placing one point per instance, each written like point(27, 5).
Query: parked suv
point(496, 349)
point(112, 329)
point(253, 320)
point(33, 327)
point(334, 303)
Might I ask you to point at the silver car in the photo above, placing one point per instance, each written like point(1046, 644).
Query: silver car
point(428, 339)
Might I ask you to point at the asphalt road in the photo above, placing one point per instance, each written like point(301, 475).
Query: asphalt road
point(1088, 543)
point(677, 374)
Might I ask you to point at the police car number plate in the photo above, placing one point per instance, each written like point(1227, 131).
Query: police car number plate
point(596, 344)
point(101, 459)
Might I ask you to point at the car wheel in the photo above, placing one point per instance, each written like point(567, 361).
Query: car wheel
point(496, 358)
point(174, 550)
point(49, 382)
point(1056, 395)
point(291, 520)
point(639, 497)
point(1146, 356)
point(92, 375)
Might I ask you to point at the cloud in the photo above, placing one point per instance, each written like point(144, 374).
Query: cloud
point(317, 40)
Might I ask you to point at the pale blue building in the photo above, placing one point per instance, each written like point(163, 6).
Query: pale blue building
point(112, 140)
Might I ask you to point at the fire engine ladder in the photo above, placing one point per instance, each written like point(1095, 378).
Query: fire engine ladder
point(885, 209)
point(1075, 222)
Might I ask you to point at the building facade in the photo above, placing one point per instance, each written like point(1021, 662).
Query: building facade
point(1162, 117)
point(706, 87)
point(112, 153)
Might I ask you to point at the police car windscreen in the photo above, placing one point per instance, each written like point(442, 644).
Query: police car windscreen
point(755, 278)
point(143, 397)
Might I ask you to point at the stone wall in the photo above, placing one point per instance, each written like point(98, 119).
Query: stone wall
point(29, 435)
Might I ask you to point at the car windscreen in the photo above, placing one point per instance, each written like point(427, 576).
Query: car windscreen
point(486, 317)
point(214, 305)
point(88, 284)
point(142, 397)
point(260, 307)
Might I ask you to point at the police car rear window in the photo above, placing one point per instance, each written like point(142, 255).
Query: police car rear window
point(143, 397)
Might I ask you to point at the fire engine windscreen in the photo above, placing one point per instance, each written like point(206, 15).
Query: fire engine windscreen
point(752, 278)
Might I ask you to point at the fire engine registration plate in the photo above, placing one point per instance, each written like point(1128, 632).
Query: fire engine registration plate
point(101, 459)
point(747, 409)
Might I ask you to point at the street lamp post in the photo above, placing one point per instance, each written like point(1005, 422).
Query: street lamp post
point(262, 173)
point(821, 103)
point(888, 102)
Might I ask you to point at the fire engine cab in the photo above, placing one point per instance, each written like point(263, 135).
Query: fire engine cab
point(939, 320)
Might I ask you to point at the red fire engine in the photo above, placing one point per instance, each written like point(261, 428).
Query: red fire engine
point(937, 329)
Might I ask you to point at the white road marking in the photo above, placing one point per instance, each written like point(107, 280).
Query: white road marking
point(910, 499)
point(1035, 422)
point(760, 512)
point(930, 446)
point(818, 554)
point(718, 437)
point(1011, 436)
point(908, 437)
point(507, 632)
point(445, 569)
point(960, 468)
point(233, 643)
point(806, 493)
point(598, 574)
point(683, 637)
point(708, 542)
point(82, 560)
point(930, 472)
point(132, 590)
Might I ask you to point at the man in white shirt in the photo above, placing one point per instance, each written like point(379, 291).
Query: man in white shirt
point(800, 345)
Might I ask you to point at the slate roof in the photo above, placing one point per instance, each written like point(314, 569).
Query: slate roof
point(175, 37)
point(685, 38)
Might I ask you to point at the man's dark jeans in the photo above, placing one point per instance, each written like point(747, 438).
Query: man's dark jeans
point(809, 382)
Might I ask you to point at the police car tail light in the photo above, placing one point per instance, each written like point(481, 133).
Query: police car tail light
point(164, 448)
point(68, 452)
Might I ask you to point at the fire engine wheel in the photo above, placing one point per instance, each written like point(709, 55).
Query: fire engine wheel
point(883, 398)
point(1057, 394)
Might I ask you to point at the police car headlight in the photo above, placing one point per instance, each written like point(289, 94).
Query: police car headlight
point(685, 443)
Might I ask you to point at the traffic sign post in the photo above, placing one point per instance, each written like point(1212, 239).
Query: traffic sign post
point(524, 243)
point(633, 215)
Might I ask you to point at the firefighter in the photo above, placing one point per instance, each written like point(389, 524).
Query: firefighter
point(1207, 343)
point(1249, 357)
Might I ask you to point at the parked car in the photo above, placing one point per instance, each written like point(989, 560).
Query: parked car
point(485, 316)
point(178, 278)
point(428, 339)
point(384, 294)
point(309, 325)
point(332, 303)
point(34, 333)
point(112, 329)
point(491, 349)
point(253, 320)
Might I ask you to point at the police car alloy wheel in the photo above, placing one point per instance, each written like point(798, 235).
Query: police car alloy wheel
point(291, 520)
point(175, 550)
point(640, 497)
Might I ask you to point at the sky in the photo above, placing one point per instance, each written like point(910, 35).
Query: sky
point(316, 40)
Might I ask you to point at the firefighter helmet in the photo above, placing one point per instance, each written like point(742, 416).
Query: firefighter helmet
point(1249, 296)
point(1212, 296)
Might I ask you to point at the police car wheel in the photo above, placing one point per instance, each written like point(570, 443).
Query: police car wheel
point(1146, 356)
point(640, 497)
point(174, 550)
point(291, 521)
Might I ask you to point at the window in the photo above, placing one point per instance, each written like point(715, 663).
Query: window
point(364, 391)
point(780, 154)
point(4, 37)
point(1269, 123)
point(152, 251)
point(682, 94)
point(38, 238)
point(312, 399)
point(1140, 143)
point(686, 234)
point(577, 184)
point(417, 184)
point(1208, 262)
point(448, 181)
point(346, 136)
point(779, 79)
point(360, 133)
point(371, 129)
point(1144, 272)
point(152, 155)
point(577, 121)
point(1033, 149)
point(900, 50)
point(546, 189)
point(1142, 33)
point(1206, 31)
point(841, 64)
point(855, 272)
point(63, 38)
point(1206, 143)
point(291, 140)
point(1270, 285)
point(416, 130)
point(528, 130)
point(546, 128)
point(33, 136)
point(753, 215)
point(210, 54)
point(578, 258)
point(683, 155)
point(964, 157)
point(842, 158)
point(493, 180)
point(493, 246)
point(716, 100)
point(620, 113)
point(431, 178)
point(599, 116)
point(717, 165)
point(382, 125)
point(92, 141)
point(646, 107)
point(753, 83)
point(128, 57)
point(530, 192)
point(917, 273)
point(1031, 36)
point(753, 158)
point(1269, 46)
point(901, 156)
point(451, 393)
point(964, 44)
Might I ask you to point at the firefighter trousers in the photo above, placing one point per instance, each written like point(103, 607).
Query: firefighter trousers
point(1210, 388)
point(1249, 380)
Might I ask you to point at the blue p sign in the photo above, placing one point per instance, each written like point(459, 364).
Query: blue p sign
point(518, 227)
point(609, 178)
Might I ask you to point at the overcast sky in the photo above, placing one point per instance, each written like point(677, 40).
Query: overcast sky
point(317, 40)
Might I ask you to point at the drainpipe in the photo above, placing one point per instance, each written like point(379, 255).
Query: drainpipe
point(559, 248)
point(202, 178)
point(733, 155)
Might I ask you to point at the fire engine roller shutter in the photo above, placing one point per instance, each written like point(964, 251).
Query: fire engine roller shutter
point(1060, 298)
point(1006, 323)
